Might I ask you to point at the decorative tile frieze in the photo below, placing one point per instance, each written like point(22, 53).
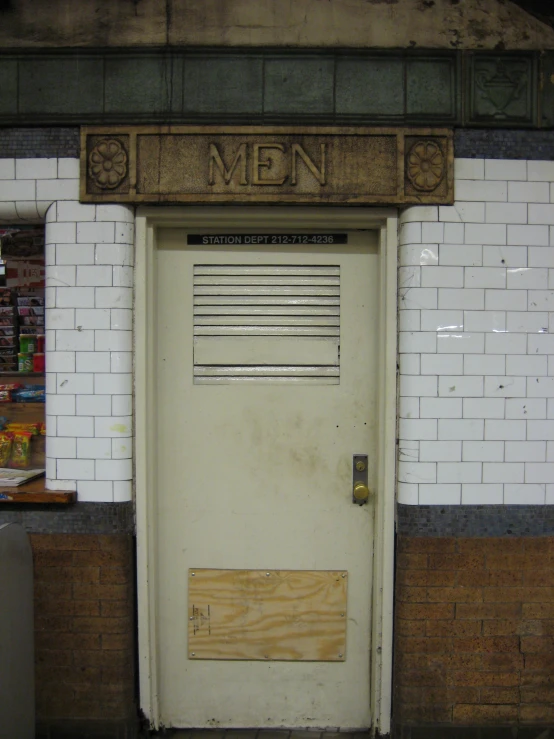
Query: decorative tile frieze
point(324, 86)
point(502, 90)
point(278, 86)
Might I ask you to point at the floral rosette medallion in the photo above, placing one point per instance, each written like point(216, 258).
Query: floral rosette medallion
point(108, 164)
point(425, 165)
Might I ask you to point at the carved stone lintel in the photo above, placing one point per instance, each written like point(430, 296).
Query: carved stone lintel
point(309, 165)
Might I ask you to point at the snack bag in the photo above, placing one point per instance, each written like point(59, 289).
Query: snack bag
point(29, 394)
point(5, 448)
point(28, 428)
point(21, 450)
point(6, 391)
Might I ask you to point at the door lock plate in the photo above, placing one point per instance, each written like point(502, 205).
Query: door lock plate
point(360, 489)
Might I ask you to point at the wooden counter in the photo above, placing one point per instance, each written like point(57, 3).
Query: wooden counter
point(35, 492)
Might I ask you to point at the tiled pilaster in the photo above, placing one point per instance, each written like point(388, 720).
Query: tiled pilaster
point(89, 299)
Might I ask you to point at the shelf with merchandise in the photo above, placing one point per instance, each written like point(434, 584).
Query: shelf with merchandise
point(34, 375)
point(35, 493)
point(22, 309)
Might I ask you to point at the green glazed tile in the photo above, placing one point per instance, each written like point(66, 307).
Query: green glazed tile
point(431, 88)
point(502, 89)
point(372, 87)
point(60, 85)
point(228, 84)
point(8, 86)
point(138, 85)
point(299, 85)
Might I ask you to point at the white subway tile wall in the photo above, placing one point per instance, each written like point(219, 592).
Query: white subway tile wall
point(476, 306)
point(476, 316)
point(89, 285)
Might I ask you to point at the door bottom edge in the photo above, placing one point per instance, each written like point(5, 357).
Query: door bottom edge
point(250, 732)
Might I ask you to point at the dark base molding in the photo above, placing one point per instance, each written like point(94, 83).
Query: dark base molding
point(475, 520)
point(79, 518)
point(87, 729)
point(304, 733)
point(473, 732)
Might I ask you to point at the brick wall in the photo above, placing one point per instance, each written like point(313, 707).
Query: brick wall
point(474, 631)
point(84, 627)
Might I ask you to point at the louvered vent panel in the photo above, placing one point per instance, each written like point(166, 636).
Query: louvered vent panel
point(270, 324)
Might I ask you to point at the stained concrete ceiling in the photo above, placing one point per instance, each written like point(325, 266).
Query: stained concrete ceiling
point(500, 24)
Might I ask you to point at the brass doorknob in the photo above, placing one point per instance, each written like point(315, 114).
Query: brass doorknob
point(361, 492)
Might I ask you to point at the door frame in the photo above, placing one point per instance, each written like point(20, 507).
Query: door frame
point(148, 220)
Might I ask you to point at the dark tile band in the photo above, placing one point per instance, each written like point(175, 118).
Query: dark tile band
point(472, 732)
point(503, 144)
point(475, 520)
point(26, 143)
point(40, 143)
point(80, 518)
point(436, 520)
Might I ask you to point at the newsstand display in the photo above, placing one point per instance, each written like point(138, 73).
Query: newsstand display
point(22, 357)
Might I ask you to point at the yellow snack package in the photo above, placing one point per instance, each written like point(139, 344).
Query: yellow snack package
point(5, 448)
point(30, 428)
point(21, 450)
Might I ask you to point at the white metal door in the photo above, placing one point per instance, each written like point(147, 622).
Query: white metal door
point(266, 363)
